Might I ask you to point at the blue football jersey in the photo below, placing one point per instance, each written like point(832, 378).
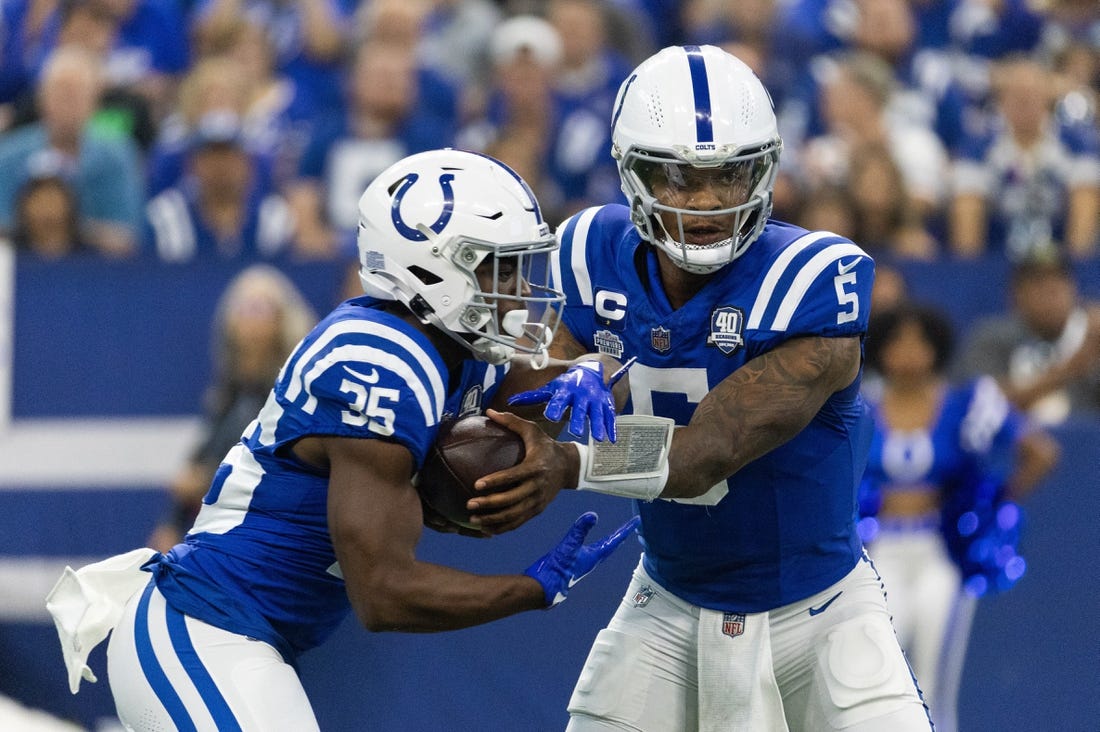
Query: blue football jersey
point(783, 527)
point(973, 439)
point(259, 560)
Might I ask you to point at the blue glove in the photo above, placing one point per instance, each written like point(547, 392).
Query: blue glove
point(582, 391)
point(567, 563)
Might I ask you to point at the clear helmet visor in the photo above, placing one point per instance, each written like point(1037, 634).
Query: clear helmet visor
point(704, 215)
point(514, 309)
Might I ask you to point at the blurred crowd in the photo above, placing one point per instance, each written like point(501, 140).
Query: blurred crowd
point(924, 130)
point(177, 129)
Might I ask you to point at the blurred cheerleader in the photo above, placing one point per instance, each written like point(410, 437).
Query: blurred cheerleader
point(947, 464)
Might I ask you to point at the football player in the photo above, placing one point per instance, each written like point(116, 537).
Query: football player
point(315, 511)
point(754, 606)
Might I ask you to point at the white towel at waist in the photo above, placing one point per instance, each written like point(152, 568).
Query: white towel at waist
point(737, 687)
point(87, 603)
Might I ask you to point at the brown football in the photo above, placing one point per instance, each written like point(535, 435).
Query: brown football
point(465, 450)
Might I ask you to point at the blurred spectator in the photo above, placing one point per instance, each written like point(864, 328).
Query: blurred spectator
point(140, 44)
point(277, 123)
point(1031, 180)
point(585, 84)
point(150, 52)
point(855, 94)
point(806, 29)
point(516, 126)
point(1046, 353)
point(47, 222)
point(221, 207)
point(214, 85)
point(886, 220)
point(548, 116)
point(828, 207)
point(309, 39)
point(125, 107)
point(259, 319)
point(937, 448)
point(395, 108)
point(454, 41)
point(105, 170)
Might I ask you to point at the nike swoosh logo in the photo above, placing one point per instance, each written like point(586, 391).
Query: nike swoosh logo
point(574, 580)
point(846, 268)
point(371, 378)
point(822, 608)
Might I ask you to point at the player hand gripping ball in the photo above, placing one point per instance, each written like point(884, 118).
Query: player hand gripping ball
point(567, 563)
point(581, 389)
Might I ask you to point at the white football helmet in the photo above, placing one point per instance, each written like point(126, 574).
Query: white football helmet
point(692, 116)
point(426, 225)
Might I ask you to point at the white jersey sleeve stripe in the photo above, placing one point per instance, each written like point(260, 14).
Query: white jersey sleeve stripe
point(174, 235)
point(579, 259)
point(384, 359)
point(806, 277)
point(985, 415)
point(437, 389)
point(779, 266)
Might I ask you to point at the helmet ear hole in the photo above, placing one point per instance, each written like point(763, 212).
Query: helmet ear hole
point(425, 276)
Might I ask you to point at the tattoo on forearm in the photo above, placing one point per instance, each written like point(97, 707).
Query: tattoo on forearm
point(772, 397)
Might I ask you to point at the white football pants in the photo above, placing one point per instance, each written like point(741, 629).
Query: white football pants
point(829, 662)
point(932, 614)
point(169, 671)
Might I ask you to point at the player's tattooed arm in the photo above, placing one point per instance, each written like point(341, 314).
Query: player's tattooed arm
point(757, 408)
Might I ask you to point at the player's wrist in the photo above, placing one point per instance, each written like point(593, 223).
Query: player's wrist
point(636, 467)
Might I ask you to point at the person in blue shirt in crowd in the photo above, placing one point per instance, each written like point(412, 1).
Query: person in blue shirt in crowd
point(223, 206)
point(309, 39)
point(104, 169)
point(754, 605)
point(315, 511)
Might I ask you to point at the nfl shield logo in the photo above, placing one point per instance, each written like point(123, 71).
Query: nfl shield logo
point(660, 338)
point(733, 624)
point(643, 596)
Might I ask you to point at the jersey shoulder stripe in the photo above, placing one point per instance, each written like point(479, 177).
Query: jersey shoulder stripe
point(359, 341)
point(805, 277)
point(792, 274)
point(778, 267)
point(573, 237)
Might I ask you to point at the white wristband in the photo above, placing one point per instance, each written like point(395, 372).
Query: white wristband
point(636, 466)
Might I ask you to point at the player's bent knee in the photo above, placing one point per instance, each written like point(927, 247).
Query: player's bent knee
point(862, 676)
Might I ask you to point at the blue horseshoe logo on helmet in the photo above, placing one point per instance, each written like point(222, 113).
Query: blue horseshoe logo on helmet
point(445, 215)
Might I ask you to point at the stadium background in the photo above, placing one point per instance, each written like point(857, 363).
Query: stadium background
point(102, 365)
